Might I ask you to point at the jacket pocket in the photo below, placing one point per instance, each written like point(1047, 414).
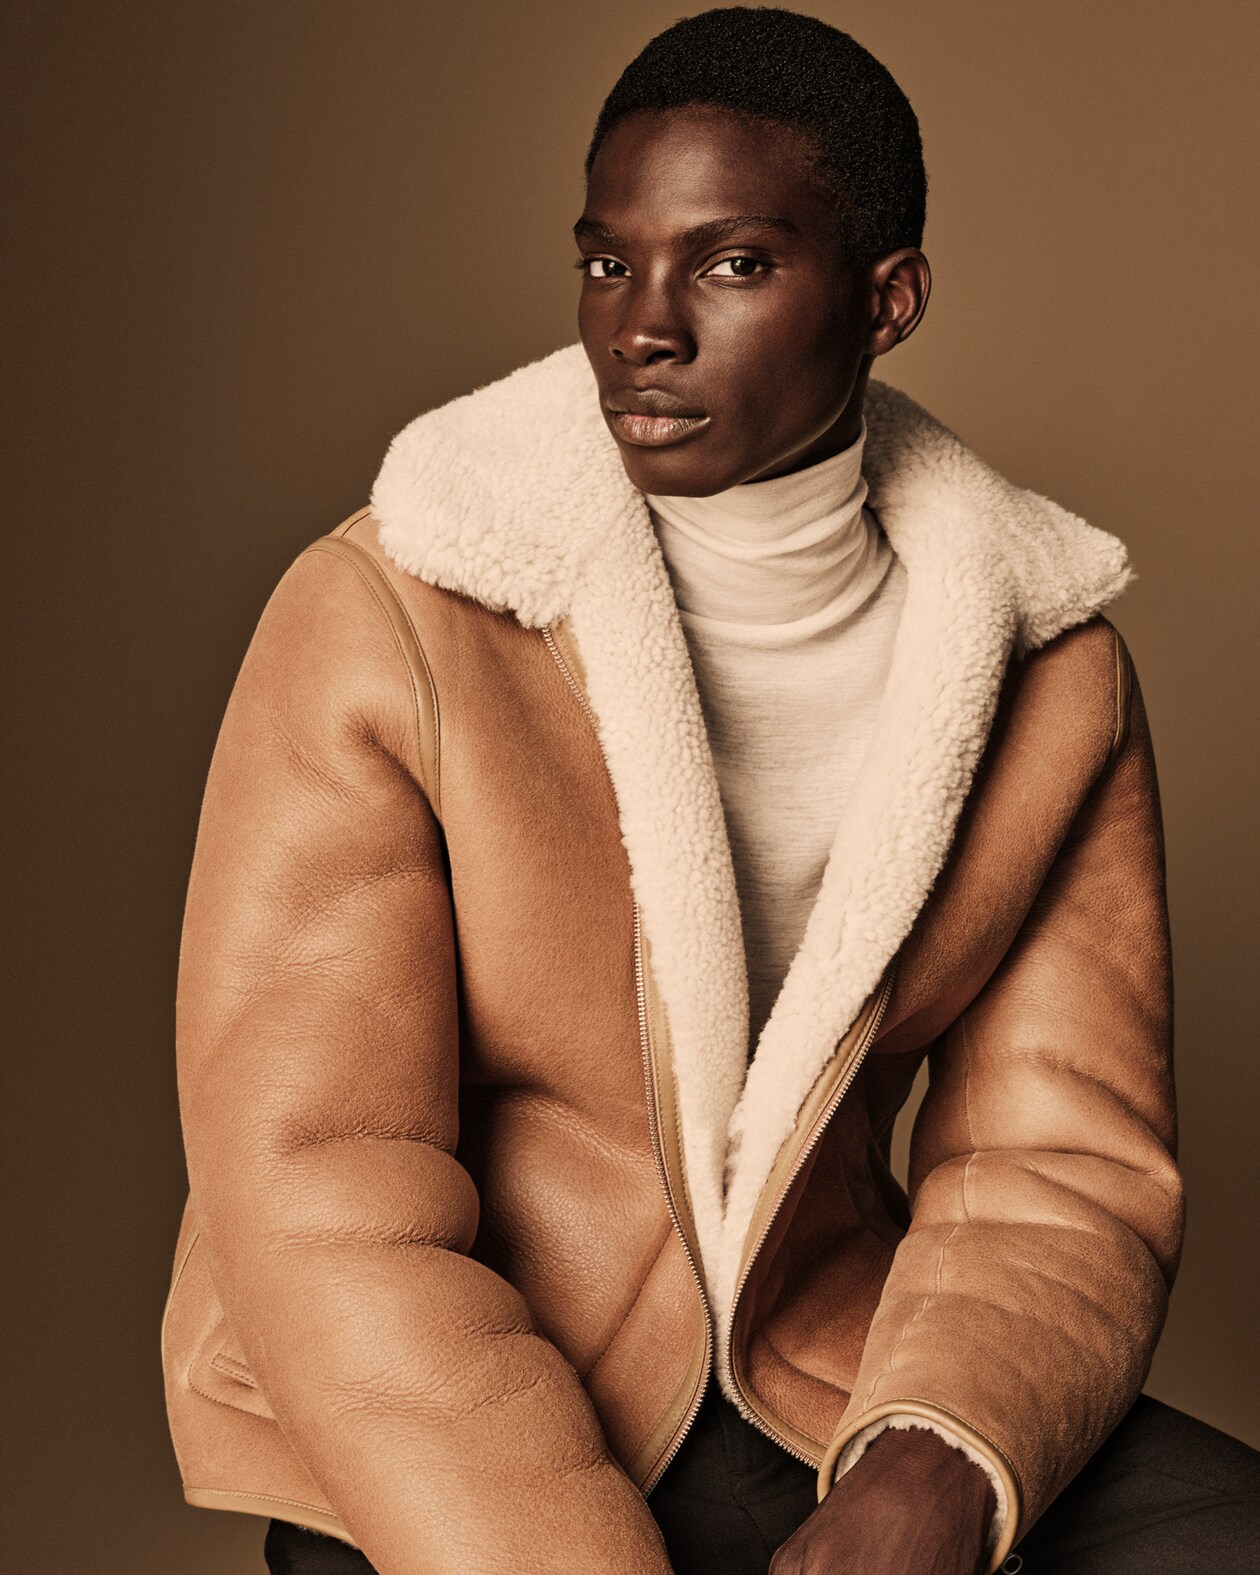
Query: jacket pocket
point(220, 1372)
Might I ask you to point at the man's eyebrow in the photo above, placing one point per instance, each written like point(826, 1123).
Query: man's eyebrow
point(699, 234)
point(597, 230)
point(720, 229)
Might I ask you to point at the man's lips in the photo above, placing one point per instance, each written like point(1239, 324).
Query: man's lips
point(655, 431)
point(652, 418)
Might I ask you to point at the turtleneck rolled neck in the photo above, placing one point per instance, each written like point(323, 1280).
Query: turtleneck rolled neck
point(790, 597)
point(779, 561)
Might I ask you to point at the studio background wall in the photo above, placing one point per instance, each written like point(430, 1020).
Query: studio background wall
point(252, 241)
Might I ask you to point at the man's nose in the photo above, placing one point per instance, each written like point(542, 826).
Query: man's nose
point(649, 333)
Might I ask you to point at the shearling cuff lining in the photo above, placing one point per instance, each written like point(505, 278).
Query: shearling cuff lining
point(861, 1442)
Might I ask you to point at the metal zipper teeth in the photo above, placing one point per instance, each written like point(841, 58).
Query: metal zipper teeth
point(645, 1048)
point(654, 1128)
point(820, 1126)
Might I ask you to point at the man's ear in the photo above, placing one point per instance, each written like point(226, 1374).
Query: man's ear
point(900, 284)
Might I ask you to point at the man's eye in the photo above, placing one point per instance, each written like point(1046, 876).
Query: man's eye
point(603, 268)
point(737, 267)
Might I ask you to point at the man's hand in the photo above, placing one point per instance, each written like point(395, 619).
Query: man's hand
point(912, 1505)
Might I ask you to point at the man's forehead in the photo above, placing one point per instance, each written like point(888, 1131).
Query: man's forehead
point(673, 171)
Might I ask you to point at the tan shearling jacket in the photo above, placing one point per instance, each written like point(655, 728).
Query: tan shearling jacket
point(482, 1185)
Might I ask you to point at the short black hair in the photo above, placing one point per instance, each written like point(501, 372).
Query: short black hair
point(798, 71)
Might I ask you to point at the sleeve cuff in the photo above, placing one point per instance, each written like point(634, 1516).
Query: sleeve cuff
point(860, 1442)
point(852, 1443)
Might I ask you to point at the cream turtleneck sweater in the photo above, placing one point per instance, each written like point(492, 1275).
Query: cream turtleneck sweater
point(789, 595)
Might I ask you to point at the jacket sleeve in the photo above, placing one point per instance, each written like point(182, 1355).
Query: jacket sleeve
point(317, 1047)
point(1024, 1303)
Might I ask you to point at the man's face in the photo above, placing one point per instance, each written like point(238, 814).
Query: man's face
point(724, 325)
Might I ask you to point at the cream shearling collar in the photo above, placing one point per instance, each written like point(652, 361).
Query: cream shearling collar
point(515, 495)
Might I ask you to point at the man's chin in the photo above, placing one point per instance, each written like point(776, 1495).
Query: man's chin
point(681, 471)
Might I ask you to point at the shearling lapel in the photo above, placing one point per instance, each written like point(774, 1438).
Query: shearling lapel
point(516, 495)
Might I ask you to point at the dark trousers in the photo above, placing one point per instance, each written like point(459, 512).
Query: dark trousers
point(1165, 1495)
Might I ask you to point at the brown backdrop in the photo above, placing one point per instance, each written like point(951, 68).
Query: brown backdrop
point(253, 240)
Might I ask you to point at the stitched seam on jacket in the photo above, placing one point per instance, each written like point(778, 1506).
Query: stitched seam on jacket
point(269, 1498)
point(239, 1371)
point(179, 1275)
point(928, 1298)
point(200, 1357)
point(366, 573)
point(368, 579)
point(885, 1406)
point(228, 1404)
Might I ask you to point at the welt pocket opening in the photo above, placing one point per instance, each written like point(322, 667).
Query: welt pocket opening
point(220, 1373)
point(232, 1367)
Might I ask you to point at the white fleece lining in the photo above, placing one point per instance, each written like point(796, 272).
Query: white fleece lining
point(516, 495)
point(861, 1442)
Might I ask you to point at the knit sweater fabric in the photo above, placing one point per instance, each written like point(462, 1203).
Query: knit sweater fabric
point(789, 595)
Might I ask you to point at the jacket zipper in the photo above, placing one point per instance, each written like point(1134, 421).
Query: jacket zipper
point(645, 1047)
point(746, 1407)
point(649, 1073)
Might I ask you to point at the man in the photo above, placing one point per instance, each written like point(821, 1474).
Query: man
point(604, 828)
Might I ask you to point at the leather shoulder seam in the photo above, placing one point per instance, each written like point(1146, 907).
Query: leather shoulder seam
point(1124, 693)
point(419, 673)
